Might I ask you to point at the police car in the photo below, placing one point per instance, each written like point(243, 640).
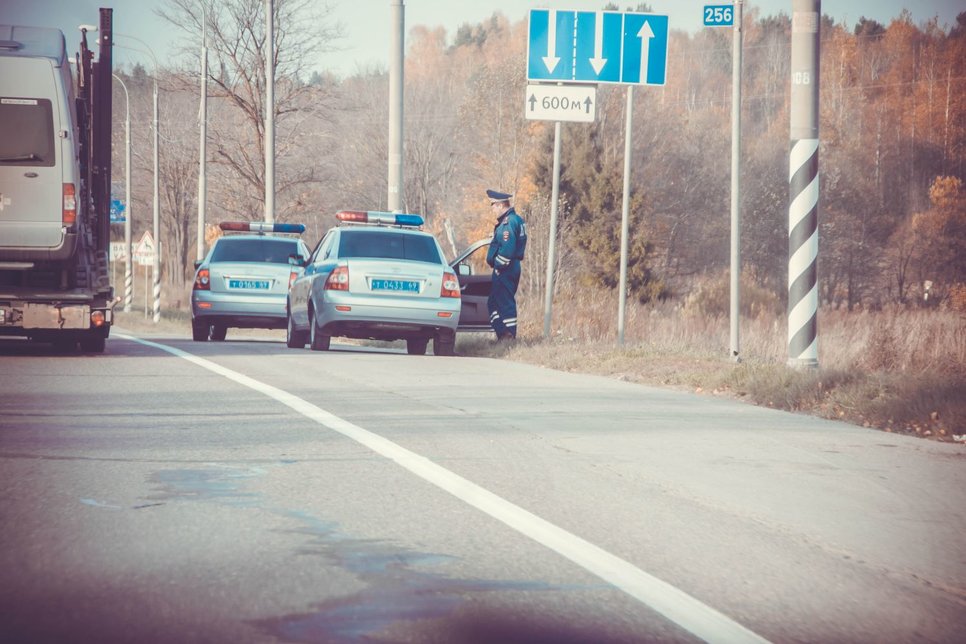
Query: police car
point(244, 280)
point(375, 276)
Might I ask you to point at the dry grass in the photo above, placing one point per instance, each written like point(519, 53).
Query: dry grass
point(898, 370)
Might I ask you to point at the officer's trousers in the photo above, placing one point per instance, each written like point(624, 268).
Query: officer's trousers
point(502, 302)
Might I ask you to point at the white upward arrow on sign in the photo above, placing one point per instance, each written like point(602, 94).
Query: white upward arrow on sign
point(550, 60)
point(598, 61)
point(645, 34)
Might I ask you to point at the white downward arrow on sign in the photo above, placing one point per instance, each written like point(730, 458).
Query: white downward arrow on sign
point(550, 60)
point(645, 34)
point(598, 61)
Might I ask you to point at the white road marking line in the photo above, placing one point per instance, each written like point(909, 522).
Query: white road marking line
point(687, 612)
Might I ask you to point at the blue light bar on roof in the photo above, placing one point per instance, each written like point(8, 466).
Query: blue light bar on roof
point(379, 217)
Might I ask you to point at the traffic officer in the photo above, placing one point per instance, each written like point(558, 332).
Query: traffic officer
point(504, 256)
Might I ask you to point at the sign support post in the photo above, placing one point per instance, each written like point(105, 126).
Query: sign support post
point(552, 245)
point(625, 214)
point(736, 186)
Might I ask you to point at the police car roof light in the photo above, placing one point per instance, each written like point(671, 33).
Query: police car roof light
point(378, 217)
point(260, 227)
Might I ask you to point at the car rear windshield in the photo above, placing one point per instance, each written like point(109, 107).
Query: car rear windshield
point(389, 244)
point(26, 132)
point(272, 251)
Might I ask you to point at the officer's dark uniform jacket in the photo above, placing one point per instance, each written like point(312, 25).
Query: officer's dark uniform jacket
point(509, 241)
point(505, 254)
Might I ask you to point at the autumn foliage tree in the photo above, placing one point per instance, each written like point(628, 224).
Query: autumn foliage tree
point(893, 146)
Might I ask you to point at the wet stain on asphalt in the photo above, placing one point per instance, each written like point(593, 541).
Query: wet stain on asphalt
point(215, 484)
point(400, 583)
point(400, 587)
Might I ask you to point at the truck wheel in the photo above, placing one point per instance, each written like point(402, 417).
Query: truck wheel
point(417, 346)
point(200, 330)
point(63, 346)
point(218, 332)
point(444, 344)
point(93, 342)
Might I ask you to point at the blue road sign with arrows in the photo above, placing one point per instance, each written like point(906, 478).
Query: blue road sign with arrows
point(597, 47)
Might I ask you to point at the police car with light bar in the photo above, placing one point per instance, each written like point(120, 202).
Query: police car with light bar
point(244, 280)
point(375, 276)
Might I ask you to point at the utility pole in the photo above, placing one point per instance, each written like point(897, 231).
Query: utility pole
point(269, 111)
point(128, 276)
point(203, 143)
point(396, 54)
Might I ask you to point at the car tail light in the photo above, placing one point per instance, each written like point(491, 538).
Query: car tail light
point(70, 205)
point(450, 287)
point(203, 280)
point(97, 318)
point(291, 279)
point(338, 279)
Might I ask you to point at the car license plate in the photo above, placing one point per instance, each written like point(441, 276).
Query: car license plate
point(258, 285)
point(407, 286)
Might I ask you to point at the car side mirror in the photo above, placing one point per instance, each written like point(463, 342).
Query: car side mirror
point(297, 260)
point(464, 269)
point(198, 263)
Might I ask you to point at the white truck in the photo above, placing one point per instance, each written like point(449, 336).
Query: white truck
point(55, 178)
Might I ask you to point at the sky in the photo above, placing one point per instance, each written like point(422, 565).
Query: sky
point(366, 23)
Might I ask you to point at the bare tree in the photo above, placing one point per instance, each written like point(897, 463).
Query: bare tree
point(238, 49)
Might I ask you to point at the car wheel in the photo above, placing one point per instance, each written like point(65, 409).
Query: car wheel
point(417, 346)
point(444, 344)
point(318, 340)
point(218, 332)
point(200, 330)
point(294, 339)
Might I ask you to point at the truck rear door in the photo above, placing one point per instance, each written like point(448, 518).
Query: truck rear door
point(31, 177)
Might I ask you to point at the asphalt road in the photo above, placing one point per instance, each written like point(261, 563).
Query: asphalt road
point(245, 492)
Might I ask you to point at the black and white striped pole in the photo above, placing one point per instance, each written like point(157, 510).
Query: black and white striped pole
point(803, 186)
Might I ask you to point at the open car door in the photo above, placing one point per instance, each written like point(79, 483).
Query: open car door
point(475, 279)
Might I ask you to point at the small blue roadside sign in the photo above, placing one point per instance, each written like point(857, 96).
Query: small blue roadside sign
point(597, 47)
point(719, 15)
point(117, 211)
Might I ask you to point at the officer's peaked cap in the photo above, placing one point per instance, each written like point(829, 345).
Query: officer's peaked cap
point(496, 195)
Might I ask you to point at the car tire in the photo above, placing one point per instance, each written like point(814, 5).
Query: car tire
point(318, 341)
point(200, 330)
point(218, 332)
point(444, 344)
point(417, 346)
point(294, 339)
